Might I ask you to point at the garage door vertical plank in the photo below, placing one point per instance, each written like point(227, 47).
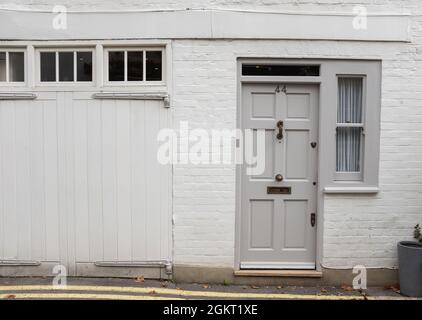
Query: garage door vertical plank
point(23, 196)
point(8, 154)
point(2, 243)
point(62, 177)
point(96, 226)
point(153, 181)
point(69, 118)
point(109, 179)
point(51, 181)
point(138, 198)
point(165, 186)
point(124, 229)
point(81, 181)
point(36, 136)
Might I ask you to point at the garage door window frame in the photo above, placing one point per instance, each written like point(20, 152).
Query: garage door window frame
point(56, 83)
point(9, 83)
point(126, 83)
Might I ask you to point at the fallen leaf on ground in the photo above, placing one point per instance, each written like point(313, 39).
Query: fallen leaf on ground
point(254, 287)
point(393, 288)
point(10, 296)
point(164, 284)
point(152, 292)
point(346, 288)
point(140, 279)
point(205, 286)
point(279, 287)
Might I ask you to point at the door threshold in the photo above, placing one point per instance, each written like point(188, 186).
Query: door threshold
point(279, 273)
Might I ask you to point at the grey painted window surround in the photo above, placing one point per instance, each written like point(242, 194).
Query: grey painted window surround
point(367, 179)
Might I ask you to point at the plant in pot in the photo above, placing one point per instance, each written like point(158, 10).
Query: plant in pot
point(410, 265)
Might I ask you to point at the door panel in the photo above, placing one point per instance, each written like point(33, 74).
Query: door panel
point(262, 220)
point(276, 230)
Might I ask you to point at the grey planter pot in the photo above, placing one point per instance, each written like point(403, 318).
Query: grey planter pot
point(410, 268)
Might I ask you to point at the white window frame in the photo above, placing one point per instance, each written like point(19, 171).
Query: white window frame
point(144, 82)
point(358, 175)
point(64, 83)
point(25, 68)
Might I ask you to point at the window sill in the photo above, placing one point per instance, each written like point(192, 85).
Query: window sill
point(337, 190)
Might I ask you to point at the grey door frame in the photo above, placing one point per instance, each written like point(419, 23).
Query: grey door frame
point(319, 196)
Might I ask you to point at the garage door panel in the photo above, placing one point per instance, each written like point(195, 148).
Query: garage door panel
point(109, 172)
point(51, 203)
point(81, 182)
point(81, 179)
point(152, 125)
point(128, 219)
point(139, 183)
point(29, 221)
point(8, 182)
point(37, 174)
point(123, 164)
point(23, 180)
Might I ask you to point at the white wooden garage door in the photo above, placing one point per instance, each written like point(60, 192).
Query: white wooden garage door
point(81, 186)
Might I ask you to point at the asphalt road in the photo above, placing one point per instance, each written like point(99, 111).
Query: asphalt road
point(140, 289)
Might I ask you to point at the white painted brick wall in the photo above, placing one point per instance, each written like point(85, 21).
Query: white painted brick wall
point(359, 229)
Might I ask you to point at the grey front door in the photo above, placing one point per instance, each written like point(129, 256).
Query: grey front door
point(277, 217)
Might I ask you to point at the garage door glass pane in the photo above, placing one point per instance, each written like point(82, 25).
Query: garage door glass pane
point(153, 62)
point(134, 65)
point(16, 67)
point(116, 66)
point(66, 66)
point(48, 66)
point(84, 66)
point(2, 66)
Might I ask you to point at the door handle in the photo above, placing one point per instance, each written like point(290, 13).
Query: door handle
point(313, 219)
point(279, 178)
point(280, 130)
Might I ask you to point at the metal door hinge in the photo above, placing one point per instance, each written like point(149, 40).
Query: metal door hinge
point(313, 219)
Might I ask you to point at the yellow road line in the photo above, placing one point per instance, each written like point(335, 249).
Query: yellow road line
point(81, 296)
point(177, 292)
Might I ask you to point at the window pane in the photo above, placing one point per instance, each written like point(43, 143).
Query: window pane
point(84, 66)
point(16, 67)
point(66, 66)
point(2, 66)
point(134, 65)
point(153, 62)
point(116, 66)
point(48, 66)
point(279, 70)
point(348, 149)
point(349, 108)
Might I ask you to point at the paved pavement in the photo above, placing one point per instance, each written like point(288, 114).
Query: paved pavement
point(140, 289)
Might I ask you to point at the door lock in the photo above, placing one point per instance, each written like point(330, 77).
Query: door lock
point(279, 178)
point(280, 130)
point(313, 219)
